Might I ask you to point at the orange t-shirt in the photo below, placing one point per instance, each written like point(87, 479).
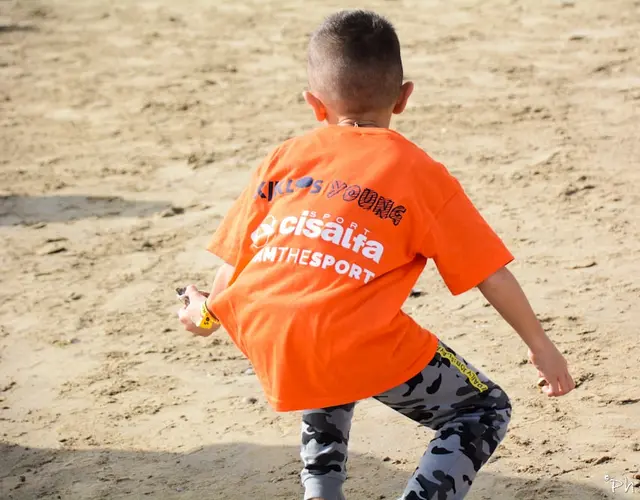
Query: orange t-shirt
point(328, 240)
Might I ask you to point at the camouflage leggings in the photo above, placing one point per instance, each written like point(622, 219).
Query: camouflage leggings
point(469, 413)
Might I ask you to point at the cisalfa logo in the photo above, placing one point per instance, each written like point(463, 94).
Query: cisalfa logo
point(267, 228)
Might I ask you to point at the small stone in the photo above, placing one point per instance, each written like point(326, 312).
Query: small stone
point(170, 212)
point(250, 400)
point(249, 371)
point(416, 293)
point(22, 479)
point(52, 249)
point(586, 265)
point(603, 459)
point(628, 401)
point(9, 386)
point(75, 296)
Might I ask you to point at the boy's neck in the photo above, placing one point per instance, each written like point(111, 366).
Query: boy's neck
point(349, 122)
point(373, 120)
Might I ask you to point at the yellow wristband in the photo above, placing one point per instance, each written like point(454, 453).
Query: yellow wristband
point(207, 320)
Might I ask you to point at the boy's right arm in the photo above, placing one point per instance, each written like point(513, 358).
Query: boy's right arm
point(220, 282)
point(196, 298)
point(504, 293)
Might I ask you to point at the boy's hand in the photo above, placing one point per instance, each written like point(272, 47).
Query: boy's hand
point(189, 314)
point(552, 368)
point(504, 293)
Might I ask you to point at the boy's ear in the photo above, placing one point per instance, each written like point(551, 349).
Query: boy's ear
point(405, 92)
point(318, 107)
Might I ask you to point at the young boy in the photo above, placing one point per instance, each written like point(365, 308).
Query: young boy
point(321, 251)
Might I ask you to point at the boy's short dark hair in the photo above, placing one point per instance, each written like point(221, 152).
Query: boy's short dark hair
point(354, 61)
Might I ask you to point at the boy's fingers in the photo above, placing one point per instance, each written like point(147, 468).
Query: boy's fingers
point(186, 320)
point(191, 290)
point(552, 388)
point(568, 383)
point(563, 385)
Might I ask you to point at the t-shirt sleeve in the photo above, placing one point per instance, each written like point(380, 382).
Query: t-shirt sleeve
point(465, 249)
point(234, 230)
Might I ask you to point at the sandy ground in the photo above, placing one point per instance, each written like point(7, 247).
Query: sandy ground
point(127, 128)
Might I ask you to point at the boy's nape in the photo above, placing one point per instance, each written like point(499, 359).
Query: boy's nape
point(355, 66)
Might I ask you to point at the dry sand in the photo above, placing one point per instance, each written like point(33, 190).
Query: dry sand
point(127, 128)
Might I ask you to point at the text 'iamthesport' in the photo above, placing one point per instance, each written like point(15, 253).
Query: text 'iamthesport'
point(312, 226)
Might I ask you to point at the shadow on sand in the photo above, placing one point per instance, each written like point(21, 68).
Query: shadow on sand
point(233, 471)
point(29, 210)
point(16, 28)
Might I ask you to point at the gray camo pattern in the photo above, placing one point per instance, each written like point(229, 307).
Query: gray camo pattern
point(470, 424)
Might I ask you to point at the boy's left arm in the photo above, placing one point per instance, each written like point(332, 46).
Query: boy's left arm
point(469, 254)
point(504, 293)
